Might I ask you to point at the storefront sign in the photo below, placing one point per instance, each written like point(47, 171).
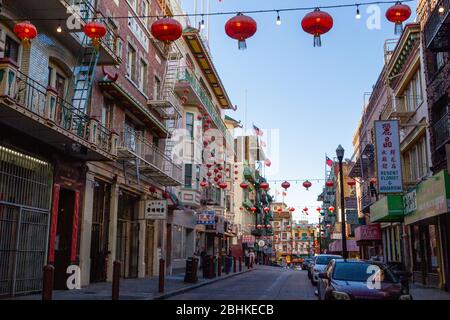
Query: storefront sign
point(387, 209)
point(389, 171)
point(351, 216)
point(432, 197)
point(247, 238)
point(156, 209)
point(370, 232)
point(410, 201)
point(206, 217)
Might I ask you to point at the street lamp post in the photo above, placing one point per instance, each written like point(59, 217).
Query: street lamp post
point(340, 156)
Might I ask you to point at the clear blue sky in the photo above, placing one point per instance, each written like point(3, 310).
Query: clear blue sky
point(314, 96)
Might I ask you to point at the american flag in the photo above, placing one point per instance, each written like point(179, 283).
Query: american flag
point(258, 131)
point(329, 161)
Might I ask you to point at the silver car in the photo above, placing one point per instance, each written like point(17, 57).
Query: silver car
point(320, 262)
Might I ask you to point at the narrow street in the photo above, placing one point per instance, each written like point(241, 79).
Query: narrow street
point(265, 283)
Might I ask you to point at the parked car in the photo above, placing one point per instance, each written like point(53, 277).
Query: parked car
point(306, 263)
point(354, 280)
point(320, 262)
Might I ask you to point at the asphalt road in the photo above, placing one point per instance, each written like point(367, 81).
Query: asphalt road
point(264, 283)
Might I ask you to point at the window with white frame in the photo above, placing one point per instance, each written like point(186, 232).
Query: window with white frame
point(131, 63)
point(415, 161)
point(143, 76)
point(412, 95)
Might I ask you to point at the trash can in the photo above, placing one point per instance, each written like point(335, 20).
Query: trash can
point(190, 275)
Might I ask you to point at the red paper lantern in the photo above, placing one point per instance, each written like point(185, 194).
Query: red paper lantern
point(305, 209)
point(351, 182)
point(280, 209)
point(241, 208)
point(165, 195)
point(216, 170)
point(267, 163)
point(241, 27)
point(152, 189)
point(307, 184)
point(25, 31)
point(253, 209)
point(264, 186)
point(266, 209)
point(329, 183)
point(373, 181)
point(259, 226)
point(209, 173)
point(398, 14)
point(166, 30)
point(331, 208)
point(318, 209)
point(291, 209)
point(285, 185)
point(199, 117)
point(268, 226)
point(223, 185)
point(216, 179)
point(219, 176)
point(244, 185)
point(317, 23)
point(95, 31)
point(203, 184)
point(209, 165)
point(236, 172)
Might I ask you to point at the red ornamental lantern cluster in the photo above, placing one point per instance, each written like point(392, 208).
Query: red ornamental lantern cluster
point(25, 31)
point(166, 30)
point(317, 23)
point(95, 31)
point(241, 27)
point(307, 184)
point(398, 14)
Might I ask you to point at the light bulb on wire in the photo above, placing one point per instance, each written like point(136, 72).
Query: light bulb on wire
point(441, 9)
point(358, 13)
point(278, 19)
point(59, 28)
point(202, 24)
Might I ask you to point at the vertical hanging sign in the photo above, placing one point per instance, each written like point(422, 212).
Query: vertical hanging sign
point(389, 171)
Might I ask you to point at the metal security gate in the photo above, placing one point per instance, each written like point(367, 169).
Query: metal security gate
point(25, 194)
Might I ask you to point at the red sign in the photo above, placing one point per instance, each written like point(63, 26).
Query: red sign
point(248, 238)
point(369, 232)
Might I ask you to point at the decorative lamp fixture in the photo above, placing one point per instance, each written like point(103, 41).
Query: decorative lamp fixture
point(329, 183)
point(241, 27)
point(166, 30)
point(95, 31)
point(25, 31)
point(307, 184)
point(317, 23)
point(264, 186)
point(244, 185)
point(285, 185)
point(398, 14)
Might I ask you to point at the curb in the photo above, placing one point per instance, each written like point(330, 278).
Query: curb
point(195, 286)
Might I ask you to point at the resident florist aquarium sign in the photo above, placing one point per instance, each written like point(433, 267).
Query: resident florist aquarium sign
point(389, 171)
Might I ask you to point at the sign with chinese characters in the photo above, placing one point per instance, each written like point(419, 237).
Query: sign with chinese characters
point(156, 209)
point(247, 238)
point(206, 217)
point(389, 171)
point(410, 201)
point(351, 216)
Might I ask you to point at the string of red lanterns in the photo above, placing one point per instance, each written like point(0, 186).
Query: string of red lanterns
point(241, 27)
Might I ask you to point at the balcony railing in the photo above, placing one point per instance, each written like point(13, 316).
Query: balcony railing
point(185, 76)
point(442, 131)
point(434, 26)
point(53, 110)
point(150, 158)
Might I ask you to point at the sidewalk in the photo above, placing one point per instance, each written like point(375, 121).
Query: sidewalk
point(133, 289)
point(419, 292)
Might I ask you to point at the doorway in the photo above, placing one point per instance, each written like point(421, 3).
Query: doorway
point(127, 249)
point(100, 231)
point(63, 239)
point(149, 244)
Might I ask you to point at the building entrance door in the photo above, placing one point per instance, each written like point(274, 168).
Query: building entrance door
point(63, 240)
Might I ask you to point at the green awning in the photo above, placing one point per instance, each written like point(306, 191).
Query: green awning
point(387, 209)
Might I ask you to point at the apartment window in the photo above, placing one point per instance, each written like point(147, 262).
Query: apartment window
point(190, 124)
point(415, 162)
point(439, 60)
point(157, 89)
point(188, 175)
point(143, 77)
point(145, 11)
point(413, 93)
point(130, 135)
point(12, 49)
point(131, 63)
point(178, 242)
point(105, 115)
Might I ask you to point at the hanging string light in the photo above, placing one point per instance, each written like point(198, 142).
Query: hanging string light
point(278, 18)
point(358, 13)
